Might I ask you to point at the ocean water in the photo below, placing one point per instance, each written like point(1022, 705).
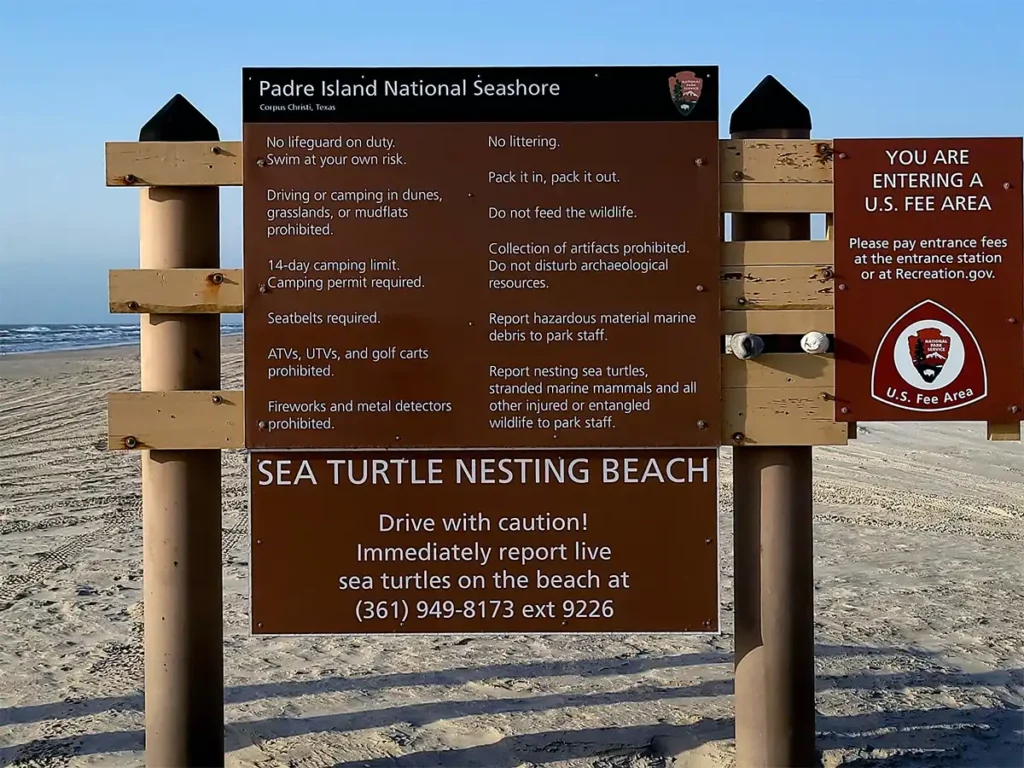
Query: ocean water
point(16, 339)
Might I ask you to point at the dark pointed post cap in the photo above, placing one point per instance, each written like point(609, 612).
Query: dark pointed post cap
point(770, 106)
point(178, 120)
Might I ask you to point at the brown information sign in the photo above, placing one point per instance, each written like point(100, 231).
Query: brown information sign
point(448, 258)
point(484, 542)
point(929, 252)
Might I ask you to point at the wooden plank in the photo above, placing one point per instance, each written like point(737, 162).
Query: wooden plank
point(193, 290)
point(771, 160)
point(851, 430)
point(788, 415)
point(780, 416)
point(174, 420)
point(790, 321)
point(185, 290)
point(770, 300)
point(737, 197)
point(1003, 432)
point(174, 291)
point(800, 412)
point(761, 253)
point(779, 370)
point(174, 164)
point(777, 288)
point(755, 161)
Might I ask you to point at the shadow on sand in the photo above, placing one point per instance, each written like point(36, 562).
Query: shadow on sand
point(629, 665)
point(932, 738)
point(935, 737)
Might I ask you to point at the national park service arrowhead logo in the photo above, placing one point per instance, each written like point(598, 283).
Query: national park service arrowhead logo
point(928, 360)
point(929, 351)
point(685, 88)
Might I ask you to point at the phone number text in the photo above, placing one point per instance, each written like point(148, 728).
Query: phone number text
point(402, 611)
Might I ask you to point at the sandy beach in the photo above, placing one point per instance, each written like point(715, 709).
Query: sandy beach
point(919, 536)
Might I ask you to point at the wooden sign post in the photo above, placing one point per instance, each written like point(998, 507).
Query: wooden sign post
point(179, 227)
point(773, 555)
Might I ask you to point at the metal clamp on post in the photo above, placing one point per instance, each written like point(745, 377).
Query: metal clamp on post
point(815, 343)
point(745, 345)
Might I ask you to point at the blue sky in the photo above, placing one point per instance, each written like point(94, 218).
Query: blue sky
point(76, 74)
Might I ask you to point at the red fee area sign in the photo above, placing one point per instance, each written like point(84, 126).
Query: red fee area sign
point(929, 253)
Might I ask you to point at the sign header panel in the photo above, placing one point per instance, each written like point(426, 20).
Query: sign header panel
point(479, 95)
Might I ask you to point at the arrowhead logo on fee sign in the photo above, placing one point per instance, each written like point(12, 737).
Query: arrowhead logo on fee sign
point(929, 360)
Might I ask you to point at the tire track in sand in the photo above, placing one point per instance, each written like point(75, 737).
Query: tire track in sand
point(16, 587)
